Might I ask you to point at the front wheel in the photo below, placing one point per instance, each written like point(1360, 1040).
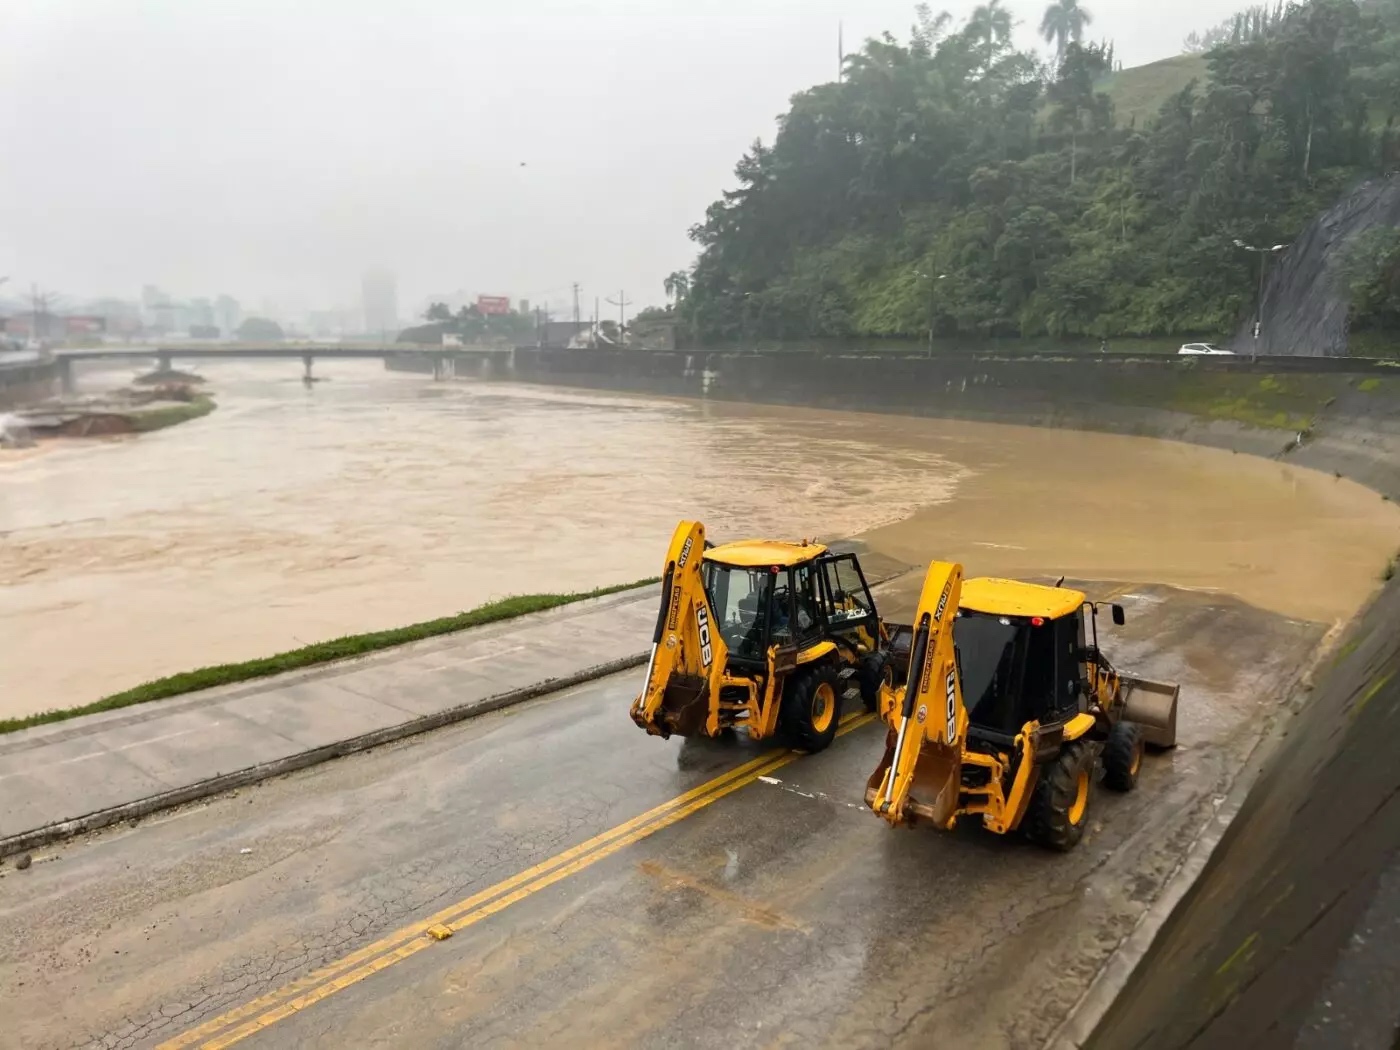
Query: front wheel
point(1059, 809)
point(1122, 756)
point(812, 707)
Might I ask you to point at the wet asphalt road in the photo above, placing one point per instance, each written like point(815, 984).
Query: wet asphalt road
point(779, 914)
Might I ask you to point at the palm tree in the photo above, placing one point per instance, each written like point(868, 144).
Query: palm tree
point(991, 26)
point(1064, 21)
point(677, 285)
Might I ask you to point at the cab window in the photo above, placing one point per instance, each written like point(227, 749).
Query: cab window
point(847, 600)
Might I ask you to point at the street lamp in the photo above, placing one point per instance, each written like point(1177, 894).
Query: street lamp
point(1263, 254)
point(932, 287)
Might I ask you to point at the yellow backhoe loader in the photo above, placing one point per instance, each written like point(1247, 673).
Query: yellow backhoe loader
point(760, 635)
point(997, 709)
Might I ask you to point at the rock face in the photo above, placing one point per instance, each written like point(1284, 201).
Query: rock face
point(1305, 299)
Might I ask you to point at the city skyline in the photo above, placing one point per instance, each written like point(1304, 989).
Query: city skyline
point(289, 183)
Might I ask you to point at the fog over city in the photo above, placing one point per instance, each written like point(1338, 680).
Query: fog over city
point(277, 152)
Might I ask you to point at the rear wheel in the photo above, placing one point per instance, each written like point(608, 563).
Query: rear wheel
point(1059, 809)
point(812, 707)
point(1122, 756)
point(870, 673)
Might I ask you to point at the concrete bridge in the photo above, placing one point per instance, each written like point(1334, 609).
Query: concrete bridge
point(441, 359)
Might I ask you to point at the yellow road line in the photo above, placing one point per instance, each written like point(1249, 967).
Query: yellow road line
point(392, 940)
point(411, 939)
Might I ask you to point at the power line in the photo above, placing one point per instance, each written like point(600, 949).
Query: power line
point(622, 303)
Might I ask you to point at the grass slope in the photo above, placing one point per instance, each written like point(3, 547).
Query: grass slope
point(310, 655)
point(1139, 93)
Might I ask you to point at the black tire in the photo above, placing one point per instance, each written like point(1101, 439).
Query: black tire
point(1122, 756)
point(811, 708)
point(1059, 809)
point(870, 672)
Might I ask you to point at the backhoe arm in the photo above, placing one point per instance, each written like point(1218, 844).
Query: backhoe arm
point(924, 758)
point(688, 655)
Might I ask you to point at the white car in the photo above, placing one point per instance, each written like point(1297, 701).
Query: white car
point(1204, 349)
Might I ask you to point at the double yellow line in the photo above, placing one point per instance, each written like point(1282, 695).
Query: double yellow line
point(252, 1017)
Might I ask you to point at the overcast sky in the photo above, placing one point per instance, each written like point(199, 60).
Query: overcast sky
point(278, 148)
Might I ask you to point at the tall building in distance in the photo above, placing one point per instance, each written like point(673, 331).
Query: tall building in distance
point(228, 315)
point(379, 297)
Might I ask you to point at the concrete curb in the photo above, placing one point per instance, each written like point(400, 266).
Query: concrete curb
point(1077, 1029)
point(65, 829)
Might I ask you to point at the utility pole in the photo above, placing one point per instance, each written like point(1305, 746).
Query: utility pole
point(39, 303)
point(1263, 254)
point(622, 303)
point(576, 316)
point(840, 52)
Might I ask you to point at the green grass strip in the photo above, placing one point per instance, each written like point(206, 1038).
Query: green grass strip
point(311, 655)
point(170, 415)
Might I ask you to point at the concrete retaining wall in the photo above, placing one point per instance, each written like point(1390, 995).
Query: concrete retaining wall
point(1239, 961)
point(1347, 413)
point(25, 384)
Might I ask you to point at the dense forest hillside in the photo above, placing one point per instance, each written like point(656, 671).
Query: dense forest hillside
point(950, 182)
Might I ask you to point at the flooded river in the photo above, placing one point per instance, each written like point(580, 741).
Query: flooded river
point(375, 499)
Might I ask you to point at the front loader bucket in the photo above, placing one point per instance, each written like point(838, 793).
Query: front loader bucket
point(1151, 705)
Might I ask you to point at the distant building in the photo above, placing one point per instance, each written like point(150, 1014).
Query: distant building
point(379, 297)
point(560, 335)
point(156, 312)
point(228, 314)
point(201, 314)
point(122, 316)
point(53, 327)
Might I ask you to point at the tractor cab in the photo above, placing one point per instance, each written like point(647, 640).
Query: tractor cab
point(795, 597)
point(1021, 656)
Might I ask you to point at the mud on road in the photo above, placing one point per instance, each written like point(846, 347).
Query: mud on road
point(782, 913)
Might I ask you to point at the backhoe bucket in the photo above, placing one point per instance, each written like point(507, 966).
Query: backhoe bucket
point(933, 794)
point(1151, 705)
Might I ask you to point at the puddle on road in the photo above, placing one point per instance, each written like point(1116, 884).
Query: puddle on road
point(373, 500)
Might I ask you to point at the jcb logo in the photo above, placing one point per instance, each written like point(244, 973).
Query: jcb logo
point(702, 622)
point(685, 553)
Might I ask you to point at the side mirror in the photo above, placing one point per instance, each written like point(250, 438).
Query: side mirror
point(1118, 618)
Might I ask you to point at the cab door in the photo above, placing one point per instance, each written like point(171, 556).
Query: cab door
point(846, 601)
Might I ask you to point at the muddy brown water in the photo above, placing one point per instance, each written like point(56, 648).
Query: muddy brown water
point(372, 500)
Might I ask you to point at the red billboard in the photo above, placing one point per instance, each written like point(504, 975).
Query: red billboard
point(493, 304)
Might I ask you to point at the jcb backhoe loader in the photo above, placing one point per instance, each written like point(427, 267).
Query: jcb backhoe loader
point(1003, 712)
point(759, 635)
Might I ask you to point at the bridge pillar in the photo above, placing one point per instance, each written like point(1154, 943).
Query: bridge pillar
point(163, 362)
point(65, 375)
point(306, 360)
point(444, 367)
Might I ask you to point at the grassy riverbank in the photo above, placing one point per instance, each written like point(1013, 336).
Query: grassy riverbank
point(170, 415)
point(311, 655)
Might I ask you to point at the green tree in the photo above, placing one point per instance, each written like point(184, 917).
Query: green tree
point(677, 285)
point(1064, 23)
point(951, 154)
point(259, 330)
point(438, 312)
point(990, 28)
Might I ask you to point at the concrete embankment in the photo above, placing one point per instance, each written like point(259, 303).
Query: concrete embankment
point(23, 382)
point(1243, 955)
